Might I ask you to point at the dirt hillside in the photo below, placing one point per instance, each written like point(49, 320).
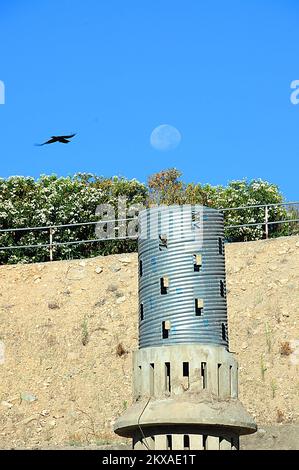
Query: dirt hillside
point(68, 329)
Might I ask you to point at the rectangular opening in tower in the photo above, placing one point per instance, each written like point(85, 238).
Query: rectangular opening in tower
point(198, 307)
point(204, 374)
point(235, 443)
point(164, 285)
point(169, 442)
point(197, 262)
point(204, 441)
point(218, 379)
point(186, 442)
point(222, 290)
point(163, 243)
point(223, 331)
point(152, 379)
point(139, 380)
point(195, 219)
point(167, 377)
point(141, 312)
point(165, 329)
point(230, 381)
point(220, 246)
point(140, 268)
point(186, 379)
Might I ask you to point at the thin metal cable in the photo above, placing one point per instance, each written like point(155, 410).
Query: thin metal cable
point(138, 422)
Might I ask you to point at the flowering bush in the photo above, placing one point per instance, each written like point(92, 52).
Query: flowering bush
point(52, 200)
point(254, 193)
point(166, 188)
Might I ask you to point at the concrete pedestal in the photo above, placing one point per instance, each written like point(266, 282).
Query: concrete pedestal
point(185, 397)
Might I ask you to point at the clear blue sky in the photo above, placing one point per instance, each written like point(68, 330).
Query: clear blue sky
point(112, 70)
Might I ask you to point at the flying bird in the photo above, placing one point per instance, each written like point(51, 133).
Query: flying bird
point(58, 138)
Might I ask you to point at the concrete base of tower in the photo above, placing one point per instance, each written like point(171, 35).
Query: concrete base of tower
point(203, 420)
point(185, 397)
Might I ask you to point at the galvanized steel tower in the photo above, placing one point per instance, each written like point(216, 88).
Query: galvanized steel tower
point(185, 379)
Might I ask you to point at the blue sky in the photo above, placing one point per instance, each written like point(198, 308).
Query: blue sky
point(113, 70)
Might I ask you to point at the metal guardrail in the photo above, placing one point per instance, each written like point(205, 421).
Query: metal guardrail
point(266, 221)
point(52, 228)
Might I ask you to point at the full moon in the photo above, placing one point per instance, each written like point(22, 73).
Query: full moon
point(165, 137)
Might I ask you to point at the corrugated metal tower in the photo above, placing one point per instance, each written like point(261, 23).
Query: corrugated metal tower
point(185, 379)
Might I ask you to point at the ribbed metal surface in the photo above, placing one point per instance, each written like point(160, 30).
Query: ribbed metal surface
point(203, 236)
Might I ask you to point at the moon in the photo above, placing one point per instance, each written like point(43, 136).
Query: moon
point(165, 137)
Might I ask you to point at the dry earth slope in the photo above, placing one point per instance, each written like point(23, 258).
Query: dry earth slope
point(69, 328)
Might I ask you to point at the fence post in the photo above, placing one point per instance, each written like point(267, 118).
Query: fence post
point(266, 222)
point(51, 243)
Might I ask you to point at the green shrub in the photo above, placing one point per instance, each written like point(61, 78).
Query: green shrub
point(52, 200)
point(166, 188)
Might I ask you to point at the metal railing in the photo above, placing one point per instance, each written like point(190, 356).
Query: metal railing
point(52, 229)
point(266, 223)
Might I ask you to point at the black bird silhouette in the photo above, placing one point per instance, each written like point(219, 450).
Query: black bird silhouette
point(58, 138)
